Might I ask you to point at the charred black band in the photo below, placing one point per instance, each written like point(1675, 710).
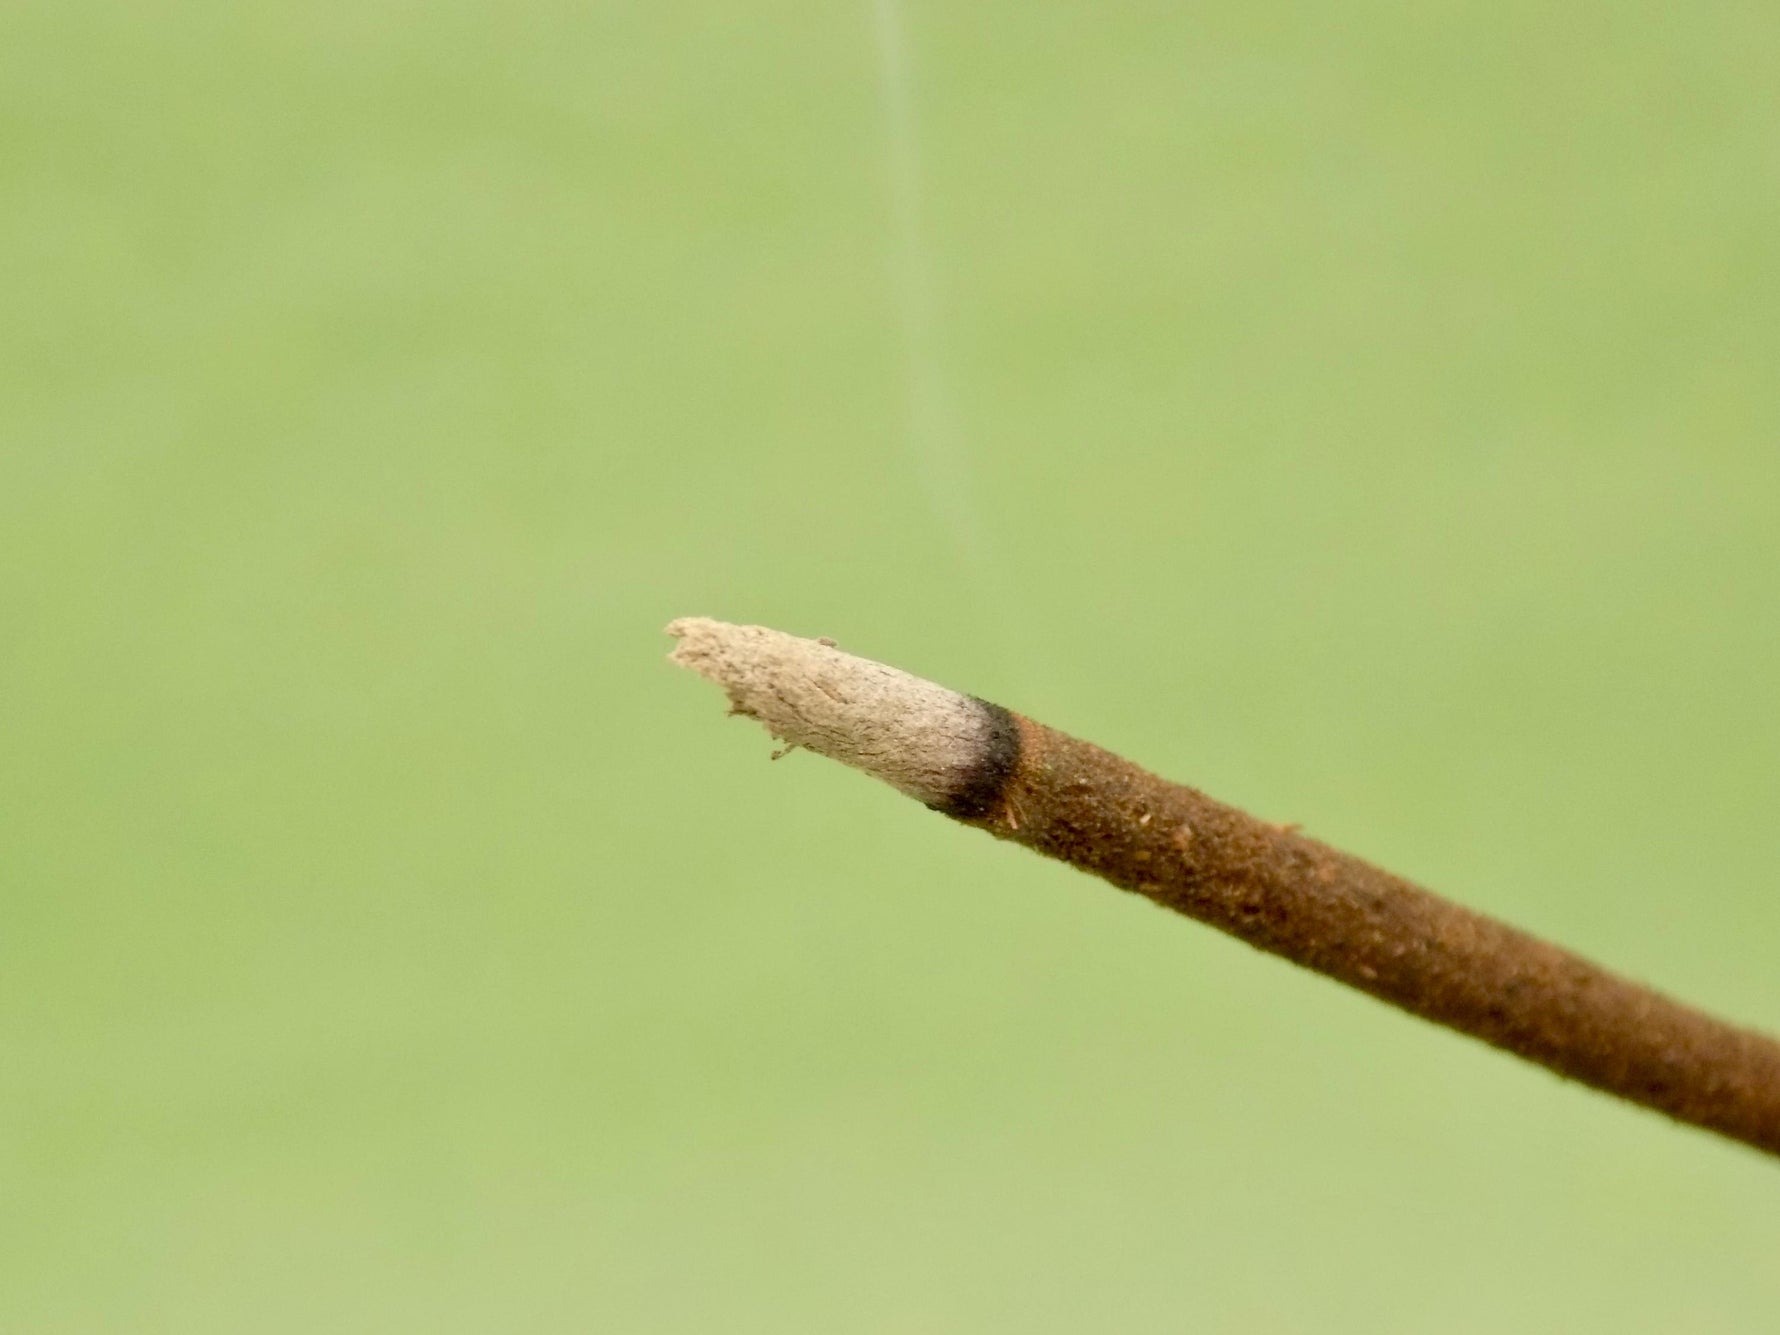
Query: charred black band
point(980, 793)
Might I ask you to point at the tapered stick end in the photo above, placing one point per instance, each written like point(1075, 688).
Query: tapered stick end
point(947, 750)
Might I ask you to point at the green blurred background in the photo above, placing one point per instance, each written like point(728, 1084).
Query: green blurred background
point(1369, 414)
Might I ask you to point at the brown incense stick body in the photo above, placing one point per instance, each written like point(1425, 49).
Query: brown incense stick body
point(1331, 912)
point(1273, 888)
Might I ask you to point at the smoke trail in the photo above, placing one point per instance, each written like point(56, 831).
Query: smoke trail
point(933, 437)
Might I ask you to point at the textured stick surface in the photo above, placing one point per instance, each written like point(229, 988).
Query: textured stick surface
point(1343, 917)
point(1273, 888)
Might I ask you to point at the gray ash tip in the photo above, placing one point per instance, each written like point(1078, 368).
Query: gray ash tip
point(942, 748)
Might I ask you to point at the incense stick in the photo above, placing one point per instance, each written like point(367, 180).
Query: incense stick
point(1264, 884)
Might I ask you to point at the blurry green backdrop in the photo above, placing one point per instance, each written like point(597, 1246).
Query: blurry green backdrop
point(1368, 413)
